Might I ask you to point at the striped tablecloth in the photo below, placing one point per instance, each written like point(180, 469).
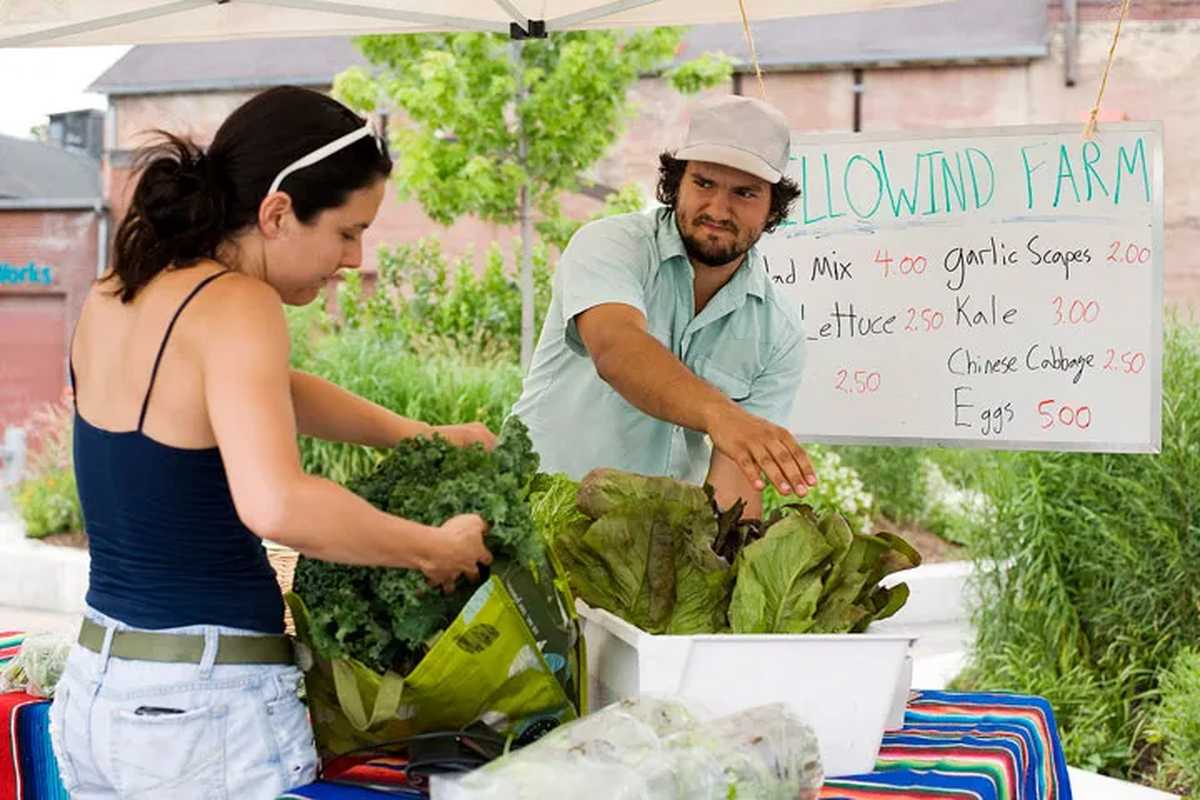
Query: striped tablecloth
point(959, 746)
point(10, 643)
point(952, 746)
point(28, 769)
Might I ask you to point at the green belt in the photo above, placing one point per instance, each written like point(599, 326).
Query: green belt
point(182, 648)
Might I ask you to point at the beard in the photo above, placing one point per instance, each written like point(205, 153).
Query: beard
point(703, 249)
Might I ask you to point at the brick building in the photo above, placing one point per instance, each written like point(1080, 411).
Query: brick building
point(52, 223)
point(970, 63)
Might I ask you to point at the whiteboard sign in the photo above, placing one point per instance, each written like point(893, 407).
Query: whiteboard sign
point(994, 288)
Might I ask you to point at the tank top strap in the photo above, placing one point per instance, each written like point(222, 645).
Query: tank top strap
point(166, 337)
point(71, 365)
point(71, 372)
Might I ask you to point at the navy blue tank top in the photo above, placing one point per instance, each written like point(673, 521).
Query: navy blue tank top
point(167, 546)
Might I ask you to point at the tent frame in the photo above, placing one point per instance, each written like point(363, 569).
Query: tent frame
point(521, 26)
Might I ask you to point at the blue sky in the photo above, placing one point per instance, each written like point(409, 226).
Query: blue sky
point(43, 80)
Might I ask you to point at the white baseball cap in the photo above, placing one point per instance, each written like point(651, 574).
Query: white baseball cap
point(739, 132)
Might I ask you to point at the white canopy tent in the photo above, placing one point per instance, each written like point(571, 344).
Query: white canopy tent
point(95, 22)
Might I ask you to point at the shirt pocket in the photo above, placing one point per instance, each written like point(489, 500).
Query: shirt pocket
point(166, 751)
point(732, 381)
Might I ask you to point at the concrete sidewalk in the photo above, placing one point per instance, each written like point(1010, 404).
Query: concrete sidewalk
point(38, 620)
point(36, 575)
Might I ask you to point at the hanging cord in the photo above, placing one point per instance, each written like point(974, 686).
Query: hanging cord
point(762, 87)
point(1089, 130)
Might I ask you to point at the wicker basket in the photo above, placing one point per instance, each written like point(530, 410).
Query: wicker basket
point(283, 561)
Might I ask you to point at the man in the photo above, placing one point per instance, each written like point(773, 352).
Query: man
point(665, 332)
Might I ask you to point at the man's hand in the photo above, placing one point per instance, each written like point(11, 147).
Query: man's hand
point(730, 485)
point(467, 434)
point(757, 446)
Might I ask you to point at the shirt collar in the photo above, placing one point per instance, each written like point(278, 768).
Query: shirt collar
point(751, 278)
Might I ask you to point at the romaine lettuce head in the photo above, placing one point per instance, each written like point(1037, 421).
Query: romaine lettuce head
point(779, 578)
point(646, 554)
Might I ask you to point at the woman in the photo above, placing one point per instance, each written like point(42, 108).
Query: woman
point(182, 684)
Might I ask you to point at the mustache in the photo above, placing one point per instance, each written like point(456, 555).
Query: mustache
point(705, 219)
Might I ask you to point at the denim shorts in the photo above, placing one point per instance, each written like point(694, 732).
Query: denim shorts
point(143, 729)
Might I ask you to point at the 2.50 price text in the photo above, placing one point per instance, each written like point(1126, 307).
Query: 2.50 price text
point(859, 381)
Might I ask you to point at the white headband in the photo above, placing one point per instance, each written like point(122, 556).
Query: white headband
point(326, 151)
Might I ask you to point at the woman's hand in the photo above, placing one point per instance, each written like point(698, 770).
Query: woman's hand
point(467, 434)
point(457, 549)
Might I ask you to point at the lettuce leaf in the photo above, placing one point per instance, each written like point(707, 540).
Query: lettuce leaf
point(645, 552)
point(810, 575)
point(780, 578)
point(647, 549)
point(552, 504)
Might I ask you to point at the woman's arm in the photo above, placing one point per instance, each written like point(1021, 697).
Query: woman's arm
point(327, 411)
point(244, 358)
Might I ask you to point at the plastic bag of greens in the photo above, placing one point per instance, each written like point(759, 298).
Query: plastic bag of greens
point(656, 749)
point(38, 665)
point(762, 752)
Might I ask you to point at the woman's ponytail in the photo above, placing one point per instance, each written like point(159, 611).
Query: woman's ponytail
point(178, 213)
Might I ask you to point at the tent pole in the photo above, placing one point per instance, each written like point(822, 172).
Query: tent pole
point(525, 274)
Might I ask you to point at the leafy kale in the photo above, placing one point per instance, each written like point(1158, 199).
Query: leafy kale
point(385, 617)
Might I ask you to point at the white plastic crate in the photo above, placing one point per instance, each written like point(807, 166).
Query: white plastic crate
point(849, 687)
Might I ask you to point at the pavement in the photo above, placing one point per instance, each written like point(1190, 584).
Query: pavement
point(38, 620)
point(35, 575)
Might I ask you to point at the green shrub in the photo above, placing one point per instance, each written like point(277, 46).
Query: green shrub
point(933, 488)
point(839, 488)
point(421, 295)
point(1176, 726)
point(1103, 582)
point(953, 511)
point(965, 467)
point(426, 344)
point(49, 504)
point(46, 497)
point(895, 476)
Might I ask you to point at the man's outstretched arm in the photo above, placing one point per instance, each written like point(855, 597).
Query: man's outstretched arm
point(652, 379)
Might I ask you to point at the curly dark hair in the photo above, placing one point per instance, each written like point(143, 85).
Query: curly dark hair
point(670, 175)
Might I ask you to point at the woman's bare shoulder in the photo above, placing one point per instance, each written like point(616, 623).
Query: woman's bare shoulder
point(234, 296)
point(239, 311)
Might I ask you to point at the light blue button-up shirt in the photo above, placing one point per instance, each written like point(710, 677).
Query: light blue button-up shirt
point(747, 342)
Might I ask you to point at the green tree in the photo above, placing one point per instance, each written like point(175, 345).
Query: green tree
point(502, 128)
